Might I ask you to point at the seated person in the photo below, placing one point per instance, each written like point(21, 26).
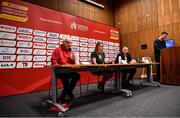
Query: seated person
point(64, 55)
point(124, 55)
point(97, 57)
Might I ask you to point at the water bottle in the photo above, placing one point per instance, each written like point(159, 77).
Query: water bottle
point(120, 59)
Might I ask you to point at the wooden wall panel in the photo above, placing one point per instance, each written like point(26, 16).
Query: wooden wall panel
point(78, 8)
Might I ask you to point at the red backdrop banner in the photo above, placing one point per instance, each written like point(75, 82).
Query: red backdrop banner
point(28, 36)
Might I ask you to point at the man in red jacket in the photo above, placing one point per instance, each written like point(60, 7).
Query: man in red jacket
point(61, 56)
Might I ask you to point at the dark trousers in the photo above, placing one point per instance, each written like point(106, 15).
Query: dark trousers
point(158, 73)
point(130, 73)
point(69, 81)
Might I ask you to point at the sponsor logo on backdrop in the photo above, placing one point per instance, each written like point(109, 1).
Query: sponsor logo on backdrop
point(74, 43)
point(106, 51)
point(116, 44)
point(7, 57)
point(39, 45)
point(39, 58)
point(91, 45)
point(52, 46)
point(98, 31)
point(39, 33)
point(7, 64)
point(106, 55)
point(106, 59)
point(111, 51)
point(7, 28)
point(75, 38)
point(6, 35)
point(111, 47)
point(24, 44)
point(84, 54)
point(24, 65)
point(105, 42)
point(83, 39)
point(60, 41)
point(39, 64)
point(98, 41)
point(80, 27)
point(54, 41)
point(84, 58)
point(24, 51)
point(89, 54)
point(111, 43)
point(83, 44)
point(6, 50)
point(14, 12)
point(64, 36)
point(90, 49)
point(22, 30)
point(7, 43)
point(49, 58)
point(48, 63)
point(24, 37)
point(83, 49)
point(105, 47)
point(39, 39)
point(92, 41)
point(39, 52)
point(74, 48)
point(112, 55)
point(114, 34)
point(52, 35)
point(49, 52)
point(116, 48)
point(24, 58)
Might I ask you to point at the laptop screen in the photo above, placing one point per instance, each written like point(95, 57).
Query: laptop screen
point(169, 43)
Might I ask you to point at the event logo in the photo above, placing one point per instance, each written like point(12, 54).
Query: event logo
point(92, 41)
point(74, 48)
point(24, 65)
point(7, 43)
point(54, 41)
point(39, 58)
point(24, 37)
point(111, 47)
point(6, 50)
point(49, 52)
point(24, 44)
point(90, 49)
point(83, 44)
point(39, 33)
point(52, 35)
point(114, 34)
point(83, 39)
point(7, 64)
point(39, 52)
point(75, 38)
point(52, 46)
point(14, 12)
point(24, 51)
point(7, 57)
point(85, 54)
point(39, 39)
point(39, 64)
point(74, 43)
point(75, 26)
point(39, 45)
point(6, 35)
point(24, 58)
point(24, 30)
point(111, 51)
point(83, 49)
point(7, 28)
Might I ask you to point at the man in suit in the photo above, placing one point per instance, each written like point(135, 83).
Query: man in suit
point(159, 44)
point(128, 74)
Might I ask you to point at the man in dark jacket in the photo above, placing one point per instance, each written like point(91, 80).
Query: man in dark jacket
point(158, 45)
point(128, 74)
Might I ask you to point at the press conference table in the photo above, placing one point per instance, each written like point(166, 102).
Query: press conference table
point(117, 69)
